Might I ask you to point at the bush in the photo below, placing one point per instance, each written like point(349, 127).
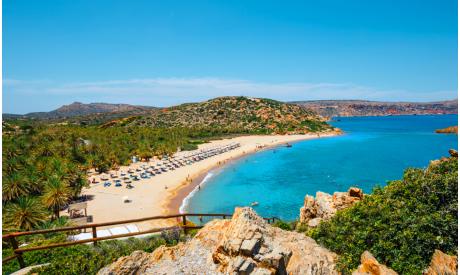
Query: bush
point(189, 147)
point(82, 259)
point(284, 225)
point(401, 224)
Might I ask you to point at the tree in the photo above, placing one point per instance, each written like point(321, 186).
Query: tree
point(14, 187)
point(26, 214)
point(56, 195)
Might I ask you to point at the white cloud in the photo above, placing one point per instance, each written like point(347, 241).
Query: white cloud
point(169, 91)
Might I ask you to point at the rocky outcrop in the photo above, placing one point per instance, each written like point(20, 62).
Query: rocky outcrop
point(370, 266)
point(246, 244)
point(325, 205)
point(448, 130)
point(442, 264)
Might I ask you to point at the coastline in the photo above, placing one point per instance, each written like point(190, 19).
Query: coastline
point(164, 194)
point(176, 200)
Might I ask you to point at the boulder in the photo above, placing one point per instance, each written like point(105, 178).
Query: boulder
point(370, 266)
point(324, 206)
point(442, 264)
point(246, 244)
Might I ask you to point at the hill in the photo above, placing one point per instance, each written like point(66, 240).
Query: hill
point(239, 114)
point(332, 108)
point(78, 109)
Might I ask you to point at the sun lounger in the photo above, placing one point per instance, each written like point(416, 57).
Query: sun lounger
point(81, 236)
point(119, 230)
point(103, 233)
point(132, 228)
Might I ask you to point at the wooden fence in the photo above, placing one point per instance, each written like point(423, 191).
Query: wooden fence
point(12, 237)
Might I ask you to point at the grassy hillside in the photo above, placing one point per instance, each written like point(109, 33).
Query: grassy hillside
point(241, 114)
point(401, 224)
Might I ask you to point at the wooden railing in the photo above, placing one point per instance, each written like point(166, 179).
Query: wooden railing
point(12, 237)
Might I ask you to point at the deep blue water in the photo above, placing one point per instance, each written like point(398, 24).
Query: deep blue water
point(373, 151)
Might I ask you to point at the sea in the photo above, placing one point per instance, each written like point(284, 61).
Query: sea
point(372, 151)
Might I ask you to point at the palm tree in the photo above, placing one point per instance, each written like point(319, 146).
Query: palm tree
point(26, 214)
point(14, 186)
point(56, 195)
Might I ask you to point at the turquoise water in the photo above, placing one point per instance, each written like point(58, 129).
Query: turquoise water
point(373, 151)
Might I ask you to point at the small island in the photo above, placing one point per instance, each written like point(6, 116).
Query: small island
point(448, 130)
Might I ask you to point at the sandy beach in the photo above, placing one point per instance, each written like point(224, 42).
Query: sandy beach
point(163, 193)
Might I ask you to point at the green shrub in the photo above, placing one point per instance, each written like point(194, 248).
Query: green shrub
point(401, 224)
point(284, 225)
point(189, 147)
point(83, 259)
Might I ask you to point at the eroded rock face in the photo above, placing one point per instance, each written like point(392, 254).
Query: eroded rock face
point(370, 266)
point(325, 205)
point(246, 244)
point(442, 264)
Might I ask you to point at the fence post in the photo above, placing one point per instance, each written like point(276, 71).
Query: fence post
point(184, 223)
point(94, 234)
point(14, 244)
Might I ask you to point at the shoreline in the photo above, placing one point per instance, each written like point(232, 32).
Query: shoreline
point(176, 200)
point(164, 194)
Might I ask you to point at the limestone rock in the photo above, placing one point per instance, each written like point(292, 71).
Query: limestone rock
point(314, 222)
point(442, 264)
point(370, 266)
point(325, 205)
point(246, 244)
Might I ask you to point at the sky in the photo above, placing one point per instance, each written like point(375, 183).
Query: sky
point(162, 53)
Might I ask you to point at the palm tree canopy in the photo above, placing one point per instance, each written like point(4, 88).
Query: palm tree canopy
point(26, 214)
point(14, 186)
point(56, 193)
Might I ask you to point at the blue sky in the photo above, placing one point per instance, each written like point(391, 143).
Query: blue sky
point(167, 52)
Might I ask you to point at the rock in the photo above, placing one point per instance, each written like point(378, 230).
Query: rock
point(324, 206)
point(448, 130)
point(314, 222)
point(250, 247)
point(370, 266)
point(442, 264)
point(246, 268)
point(246, 244)
point(356, 192)
point(453, 153)
point(133, 264)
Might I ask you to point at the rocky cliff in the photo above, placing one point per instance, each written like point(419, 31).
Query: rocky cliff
point(246, 244)
point(334, 108)
point(324, 206)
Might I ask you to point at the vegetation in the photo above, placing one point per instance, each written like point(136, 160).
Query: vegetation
point(237, 115)
point(83, 259)
point(401, 224)
point(45, 161)
point(44, 168)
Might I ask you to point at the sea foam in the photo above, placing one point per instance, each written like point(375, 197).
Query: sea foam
point(186, 200)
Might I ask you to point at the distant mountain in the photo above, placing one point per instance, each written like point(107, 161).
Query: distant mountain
point(331, 108)
point(241, 114)
point(78, 109)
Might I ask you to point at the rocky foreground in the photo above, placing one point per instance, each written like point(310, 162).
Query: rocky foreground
point(246, 244)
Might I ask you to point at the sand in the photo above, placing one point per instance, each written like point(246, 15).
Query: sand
point(162, 194)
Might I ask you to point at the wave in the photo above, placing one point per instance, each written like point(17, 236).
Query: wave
point(186, 200)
